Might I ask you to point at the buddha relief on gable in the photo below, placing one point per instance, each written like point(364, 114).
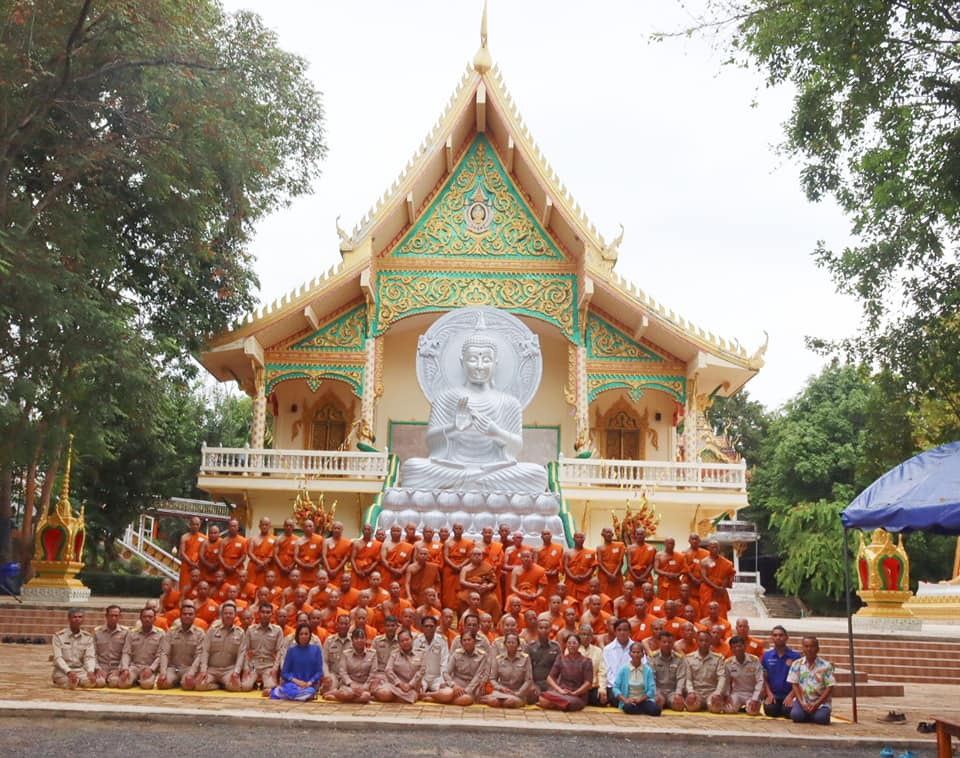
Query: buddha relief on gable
point(478, 214)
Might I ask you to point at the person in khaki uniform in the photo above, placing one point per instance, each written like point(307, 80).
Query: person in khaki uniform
point(140, 658)
point(261, 652)
point(404, 672)
point(434, 650)
point(384, 645)
point(670, 673)
point(358, 667)
point(465, 675)
point(511, 676)
point(220, 663)
point(180, 651)
point(744, 679)
point(108, 642)
point(706, 677)
point(74, 657)
point(333, 648)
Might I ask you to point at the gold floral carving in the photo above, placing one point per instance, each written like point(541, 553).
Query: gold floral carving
point(550, 297)
point(344, 333)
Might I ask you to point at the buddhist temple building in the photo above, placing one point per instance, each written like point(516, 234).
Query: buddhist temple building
point(478, 217)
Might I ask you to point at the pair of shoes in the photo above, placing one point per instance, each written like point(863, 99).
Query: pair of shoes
point(926, 727)
point(893, 717)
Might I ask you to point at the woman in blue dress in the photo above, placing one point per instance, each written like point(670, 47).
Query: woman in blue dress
point(302, 669)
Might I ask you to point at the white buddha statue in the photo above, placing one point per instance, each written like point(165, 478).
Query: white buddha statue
point(474, 433)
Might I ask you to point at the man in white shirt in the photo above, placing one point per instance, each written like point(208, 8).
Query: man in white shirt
point(616, 655)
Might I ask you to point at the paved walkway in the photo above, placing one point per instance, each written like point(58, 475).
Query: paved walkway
point(25, 670)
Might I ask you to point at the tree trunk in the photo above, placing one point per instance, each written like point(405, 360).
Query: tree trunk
point(6, 516)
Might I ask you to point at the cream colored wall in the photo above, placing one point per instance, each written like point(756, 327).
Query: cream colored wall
point(656, 402)
point(403, 401)
point(295, 392)
point(278, 505)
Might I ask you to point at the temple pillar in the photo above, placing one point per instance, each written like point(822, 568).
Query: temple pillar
point(259, 426)
point(363, 433)
point(578, 397)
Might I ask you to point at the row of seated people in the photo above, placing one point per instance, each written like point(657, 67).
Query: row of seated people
point(505, 566)
point(408, 664)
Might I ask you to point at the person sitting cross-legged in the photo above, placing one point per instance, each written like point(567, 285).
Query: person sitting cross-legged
point(634, 689)
point(813, 681)
point(302, 669)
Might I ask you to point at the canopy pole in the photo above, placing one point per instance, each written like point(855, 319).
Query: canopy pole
point(846, 593)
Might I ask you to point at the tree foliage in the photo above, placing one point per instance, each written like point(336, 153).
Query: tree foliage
point(876, 125)
point(139, 142)
point(744, 422)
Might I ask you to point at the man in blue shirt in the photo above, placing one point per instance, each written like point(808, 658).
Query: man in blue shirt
point(776, 663)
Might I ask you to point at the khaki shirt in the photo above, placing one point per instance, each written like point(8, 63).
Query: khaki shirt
point(434, 654)
point(180, 649)
point(74, 652)
point(467, 670)
point(262, 648)
point(221, 649)
point(670, 673)
point(384, 648)
point(405, 667)
point(109, 646)
point(333, 651)
point(745, 678)
point(514, 674)
point(357, 668)
point(482, 644)
point(705, 676)
point(595, 654)
point(141, 649)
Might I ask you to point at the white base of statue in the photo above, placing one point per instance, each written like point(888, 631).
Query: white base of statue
point(55, 594)
point(527, 513)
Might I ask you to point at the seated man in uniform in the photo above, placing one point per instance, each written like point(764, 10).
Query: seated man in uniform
point(180, 651)
point(220, 661)
point(74, 658)
point(140, 658)
point(434, 651)
point(670, 673)
point(706, 677)
point(511, 676)
point(357, 675)
point(744, 680)
point(108, 642)
point(261, 652)
point(465, 675)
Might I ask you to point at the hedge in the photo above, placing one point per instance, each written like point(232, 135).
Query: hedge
point(120, 585)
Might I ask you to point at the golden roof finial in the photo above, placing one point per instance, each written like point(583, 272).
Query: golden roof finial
point(483, 61)
point(63, 504)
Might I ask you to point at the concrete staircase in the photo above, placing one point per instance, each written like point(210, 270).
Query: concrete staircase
point(920, 661)
point(783, 607)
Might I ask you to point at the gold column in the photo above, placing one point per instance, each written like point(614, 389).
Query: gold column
point(259, 426)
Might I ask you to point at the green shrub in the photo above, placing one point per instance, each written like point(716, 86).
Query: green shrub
point(120, 585)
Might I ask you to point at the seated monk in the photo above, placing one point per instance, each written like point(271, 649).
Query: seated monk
point(349, 595)
point(360, 622)
point(570, 621)
point(687, 644)
point(554, 614)
point(652, 643)
point(479, 576)
point(714, 618)
point(431, 605)
point(528, 582)
point(530, 629)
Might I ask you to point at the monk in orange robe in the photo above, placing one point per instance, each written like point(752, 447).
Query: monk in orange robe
point(456, 552)
point(610, 564)
point(528, 582)
point(669, 565)
point(493, 554)
point(550, 556)
point(308, 554)
point(578, 566)
point(283, 556)
point(190, 544)
point(421, 575)
point(716, 574)
point(233, 550)
point(364, 557)
point(169, 596)
point(210, 554)
point(511, 559)
point(640, 559)
point(260, 550)
point(691, 563)
point(336, 552)
point(395, 555)
point(479, 576)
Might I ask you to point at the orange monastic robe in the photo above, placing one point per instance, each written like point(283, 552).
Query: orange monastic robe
point(530, 581)
point(263, 551)
point(640, 558)
point(209, 551)
point(367, 557)
point(192, 550)
point(691, 568)
point(337, 556)
point(233, 553)
point(551, 558)
point(398, 557)
point(611, 558)
point(310, 551)
point(582, 562)
point(667, 588)
point(493, 554)
point(458, 551)
point(721, 573)
point(286, 547)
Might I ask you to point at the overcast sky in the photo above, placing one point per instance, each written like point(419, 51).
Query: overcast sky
point(660, 137)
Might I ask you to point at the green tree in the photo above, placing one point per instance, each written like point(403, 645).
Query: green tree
point(140, 140)
point(742, 421)
point(876, 125)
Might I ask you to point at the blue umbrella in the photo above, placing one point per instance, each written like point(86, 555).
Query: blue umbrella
point(921, 494)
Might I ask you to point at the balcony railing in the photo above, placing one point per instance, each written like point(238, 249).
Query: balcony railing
point(598, 472)
point(217, 461)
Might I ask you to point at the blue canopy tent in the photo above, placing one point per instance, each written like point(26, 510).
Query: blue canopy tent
point(921, 494)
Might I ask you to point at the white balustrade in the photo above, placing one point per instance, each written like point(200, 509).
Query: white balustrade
point(138, 539)
point(599, 472)
point(293, 463)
